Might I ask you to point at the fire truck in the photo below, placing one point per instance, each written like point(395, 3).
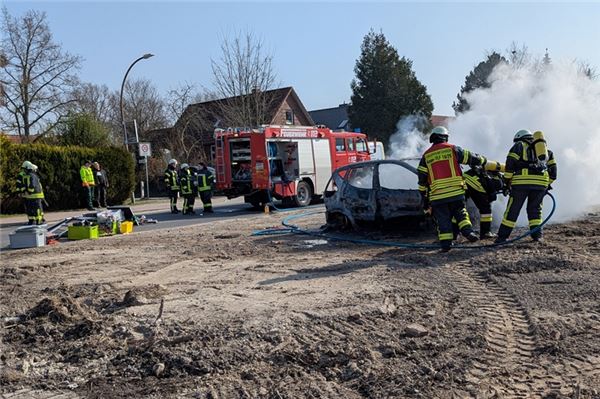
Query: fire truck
point(289, 163)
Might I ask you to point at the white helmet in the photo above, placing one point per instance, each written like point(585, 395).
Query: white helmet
point(438, 132)
point(184, 166)
point(28, 165)
point(35, 168)
point(523, 134)
point(172, 162)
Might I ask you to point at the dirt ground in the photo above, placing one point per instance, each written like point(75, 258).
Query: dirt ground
point(213, 312)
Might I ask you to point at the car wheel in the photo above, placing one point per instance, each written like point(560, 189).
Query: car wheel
point(303, 195)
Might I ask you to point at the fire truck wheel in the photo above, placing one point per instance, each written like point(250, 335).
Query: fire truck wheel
point(303, 194)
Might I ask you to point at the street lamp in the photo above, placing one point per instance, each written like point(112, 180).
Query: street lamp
point(143, 57)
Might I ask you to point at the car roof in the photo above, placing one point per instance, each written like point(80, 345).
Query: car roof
point(400, 162)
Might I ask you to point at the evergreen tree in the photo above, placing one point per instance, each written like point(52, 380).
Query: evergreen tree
point(477, 78)
point(385, 89)
point(83, 130)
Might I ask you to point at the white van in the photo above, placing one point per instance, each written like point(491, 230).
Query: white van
point(376, 150)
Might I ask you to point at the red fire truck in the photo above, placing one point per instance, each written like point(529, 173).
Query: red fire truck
point(290, 163)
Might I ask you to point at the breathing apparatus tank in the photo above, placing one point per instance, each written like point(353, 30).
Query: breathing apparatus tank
point(494, 166)
point(539, 145)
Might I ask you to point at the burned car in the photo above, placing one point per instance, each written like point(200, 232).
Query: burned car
point(373, 192)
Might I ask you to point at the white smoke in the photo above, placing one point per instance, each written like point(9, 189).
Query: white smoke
point(409, 142)
point(558, 100)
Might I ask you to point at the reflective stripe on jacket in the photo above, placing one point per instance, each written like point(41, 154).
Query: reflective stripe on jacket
point(439, 170)
point(185, 180)
point(473, 181)
point(171, 179)
point(205, 180)
point(33, 187)
point(21, 186)
point(87, 176)
point(524, 170)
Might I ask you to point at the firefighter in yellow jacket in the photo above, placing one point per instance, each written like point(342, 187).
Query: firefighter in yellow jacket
point(483, 185)
point(529, 176)
point(442, 186)
point(172, 183)
point(31, 189)
point(205, 185)
point(188, 189)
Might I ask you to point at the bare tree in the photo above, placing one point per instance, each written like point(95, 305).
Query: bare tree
point(186, 139)
point(3, 63)
point(94, 100)
point(38, 76)
point(143, 103)
point(588, 70)
point(241, 78)
point(518, 56)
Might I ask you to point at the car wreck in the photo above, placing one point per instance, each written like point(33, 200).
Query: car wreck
point(374, 192)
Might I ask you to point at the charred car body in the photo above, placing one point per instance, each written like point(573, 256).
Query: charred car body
point(373, 191)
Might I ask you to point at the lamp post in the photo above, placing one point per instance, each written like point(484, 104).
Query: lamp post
point(125, 141)
point(143, 57)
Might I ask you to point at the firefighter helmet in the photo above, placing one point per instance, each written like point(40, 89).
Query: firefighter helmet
point(438, 133)
point(172, 162)
point(184, 166)
point(523, 134)
point(28, 165)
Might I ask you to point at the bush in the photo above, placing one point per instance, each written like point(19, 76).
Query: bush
point(83, 130)
point(59, 173)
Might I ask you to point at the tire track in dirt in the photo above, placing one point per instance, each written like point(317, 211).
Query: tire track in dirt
point(31, 394)
point(507, 368)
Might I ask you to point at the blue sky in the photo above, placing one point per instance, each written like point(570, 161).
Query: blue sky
point(315, 44)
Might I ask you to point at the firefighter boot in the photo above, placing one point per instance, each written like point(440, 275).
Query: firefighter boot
point(500, 240)
point(487, 235)
point(472, 237)
point(446, 245)
point(484, 231)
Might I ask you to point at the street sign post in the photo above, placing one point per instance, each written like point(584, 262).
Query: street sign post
point(145, 151)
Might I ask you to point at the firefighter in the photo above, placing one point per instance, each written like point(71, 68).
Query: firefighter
point(188, 189)
point(33, 193)
point(483, 184)
point(172, 183)
point(21, 177)
point(205, 185)
point(528, 178)
point(442, 186)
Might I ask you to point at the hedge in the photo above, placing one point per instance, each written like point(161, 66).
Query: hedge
point(58, 168)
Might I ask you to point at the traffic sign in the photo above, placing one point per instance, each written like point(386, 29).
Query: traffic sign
point(145, 150)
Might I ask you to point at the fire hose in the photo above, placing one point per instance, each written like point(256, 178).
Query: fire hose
point(295, 229)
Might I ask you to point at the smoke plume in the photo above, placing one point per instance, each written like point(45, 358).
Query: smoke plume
point(556, 99)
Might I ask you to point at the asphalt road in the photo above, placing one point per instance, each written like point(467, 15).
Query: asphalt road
point(168, 220)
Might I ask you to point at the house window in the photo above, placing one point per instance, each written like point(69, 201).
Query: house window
point(289, 117)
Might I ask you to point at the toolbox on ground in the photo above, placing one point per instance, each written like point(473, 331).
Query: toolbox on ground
point(28, 237)
point(126, 227)
point(82, 232)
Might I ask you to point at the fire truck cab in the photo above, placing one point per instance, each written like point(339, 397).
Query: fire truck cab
point(290, 163)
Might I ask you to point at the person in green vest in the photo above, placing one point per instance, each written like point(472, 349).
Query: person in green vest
point(88, 183)
point(31, 189)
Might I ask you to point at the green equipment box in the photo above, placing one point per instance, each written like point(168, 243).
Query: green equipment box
point(82, 232)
